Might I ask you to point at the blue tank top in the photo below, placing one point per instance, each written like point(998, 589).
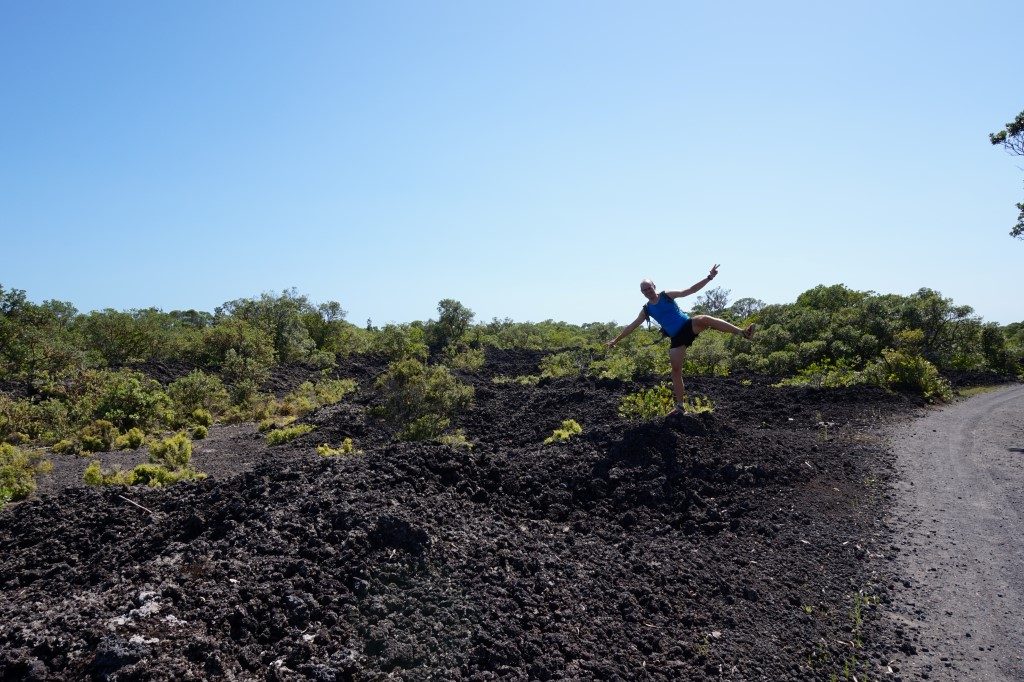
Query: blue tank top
point(667, 313)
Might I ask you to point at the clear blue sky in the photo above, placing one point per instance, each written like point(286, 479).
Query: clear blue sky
point(533, 160)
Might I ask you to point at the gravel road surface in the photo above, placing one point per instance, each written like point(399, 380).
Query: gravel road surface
point(960, 520)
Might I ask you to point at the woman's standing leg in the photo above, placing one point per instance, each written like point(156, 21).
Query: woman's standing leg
point(676, 356)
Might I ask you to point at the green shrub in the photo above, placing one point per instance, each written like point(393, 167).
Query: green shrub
point(241, 350)
point(398, 343)
point(279, 319)
point(198, 391)
point(169, 461)
point(271, 423)
point(15, 417)
point(618, 366)
point(452, 323)
point(309, 396)
point(246, 394)
point(522, 380)
point(156, 476)
point(904, 371)
point(780, 362)
point(202, 417)
point(708, 356)
point(128, 399)
point(322, 359)
point(248, 404)
point(427, 427)
point(153, 475)
point(825, 374)
point(24, 420)
point(199, 432)
point(18, 438)
point(347, 447)
point(98, 436)
point(18, 472)
point(331, 391)
point(647, 404)
point(569, 428)
point(419, 399)
point(557, 365)
point(173, 453)
point(456, 439)
point(299, 402)
point(66, 446)
point(131, 440)
point(51, 421)
point(638, 356)
point(285, 435)
point(94, 475)
point(698, 405)
point(468, 359)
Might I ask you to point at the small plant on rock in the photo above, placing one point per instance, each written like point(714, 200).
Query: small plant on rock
point(287, 434)
point(271, 423)
point(522, 379)
point(98, 436)
point(569, 428)
point(169, 462)
point(66, 446)
point(156, 476)
point(174, 452)
point(347, 447)
point(456, 439)
point(94, 475)
point(424, 428)
point(131, 440)
point(699, 404)
point(648, 404)
point(309, 396)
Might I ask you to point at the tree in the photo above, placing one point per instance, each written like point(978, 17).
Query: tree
point(712, 302)
point(37, 342)
point(453, 320)
point(745, 307)
point(1012, 139)
point(280, 317)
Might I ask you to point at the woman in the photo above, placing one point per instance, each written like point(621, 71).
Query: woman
point(678, 326)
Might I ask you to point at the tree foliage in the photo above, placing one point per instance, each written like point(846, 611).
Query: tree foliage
point(420, 399)
point(280, 318)
point(79, 381)
point(712, 302)
point(1011, 137)
point(453, 320)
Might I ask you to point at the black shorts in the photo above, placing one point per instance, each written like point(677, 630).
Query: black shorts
point(686, 335)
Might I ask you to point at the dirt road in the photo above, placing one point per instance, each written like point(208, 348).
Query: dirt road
point(960, 517)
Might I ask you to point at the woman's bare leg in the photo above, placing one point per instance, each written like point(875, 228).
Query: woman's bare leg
point(676, 355)
point(702, 322)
